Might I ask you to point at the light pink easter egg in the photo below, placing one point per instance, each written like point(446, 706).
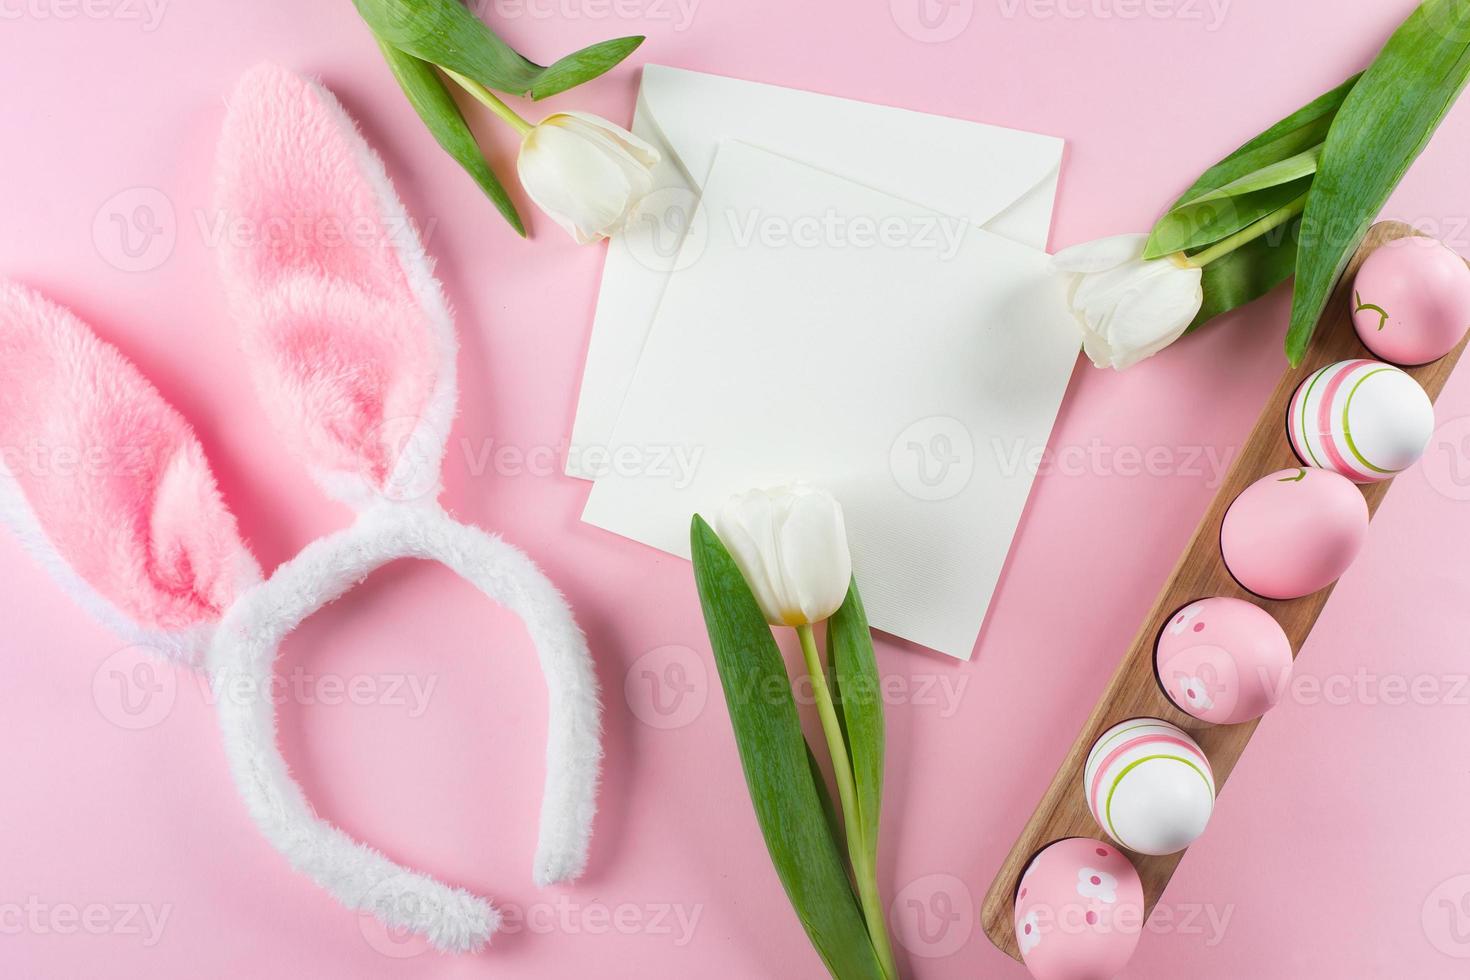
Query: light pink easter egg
point(1079, 911)
point(1223, 660)
point(1411, 301)
point(1294, 532)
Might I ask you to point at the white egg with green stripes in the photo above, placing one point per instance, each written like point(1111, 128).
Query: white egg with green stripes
point(1149, 786)
point(1363, 419)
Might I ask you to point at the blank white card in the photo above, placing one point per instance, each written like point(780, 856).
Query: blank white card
point(905, 360)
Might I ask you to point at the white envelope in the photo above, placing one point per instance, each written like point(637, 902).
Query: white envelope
point(907, 361)
point(1002, 179)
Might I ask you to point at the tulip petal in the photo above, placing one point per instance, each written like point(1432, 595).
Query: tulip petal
point(1096, 295)
point(747, 525)
point(815, 562)
point(1128, 308)
point(577, 183)
point(1151, 318)
point(641, 150)
point(1100, 255)
point(634, 167)
point(1097, 348)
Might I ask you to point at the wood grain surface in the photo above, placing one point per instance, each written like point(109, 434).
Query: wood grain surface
point(1134, 691)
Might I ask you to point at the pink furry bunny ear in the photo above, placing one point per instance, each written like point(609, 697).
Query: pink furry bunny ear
point(347, 332)
point(108, 487)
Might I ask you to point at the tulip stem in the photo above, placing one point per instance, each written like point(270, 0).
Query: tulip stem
point(1246, 235)
point(857, 851)
point(489, 100)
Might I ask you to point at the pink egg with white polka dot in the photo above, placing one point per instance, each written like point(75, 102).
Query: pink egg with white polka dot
point(1223, 660)
point(1079, 911)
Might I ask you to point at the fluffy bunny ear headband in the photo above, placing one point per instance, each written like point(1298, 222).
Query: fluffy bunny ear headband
point(352, 350)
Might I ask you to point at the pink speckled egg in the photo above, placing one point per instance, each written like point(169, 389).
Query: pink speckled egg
point(1362, 418)
point(1294, 532)
point(1079, 911)
point(1223, 660)
point(1411, 301)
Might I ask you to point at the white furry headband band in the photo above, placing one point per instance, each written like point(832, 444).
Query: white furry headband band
point(352, 350)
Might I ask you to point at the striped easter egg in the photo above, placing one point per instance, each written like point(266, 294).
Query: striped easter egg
point(1149, 786)
point(1363, 419)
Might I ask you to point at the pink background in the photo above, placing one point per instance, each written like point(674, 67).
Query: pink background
point(1339, 848)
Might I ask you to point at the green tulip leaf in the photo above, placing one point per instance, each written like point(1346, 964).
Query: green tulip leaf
point(1382, 127)
point(778, 764)
point(430, 98)
point(824, 796)
point(1248, 273)
point(1211, 218)
point(858, 694)
point(1298, 132)
point(583, 66)
point(1293, 168)
point(448, 34)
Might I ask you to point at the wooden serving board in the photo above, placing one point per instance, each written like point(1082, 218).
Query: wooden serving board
point(1134, 690)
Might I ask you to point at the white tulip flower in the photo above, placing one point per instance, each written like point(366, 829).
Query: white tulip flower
point(790, 543)
point(1128, 307)
point(586, 173)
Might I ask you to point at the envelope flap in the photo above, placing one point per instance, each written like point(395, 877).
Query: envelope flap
point(949, 165)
